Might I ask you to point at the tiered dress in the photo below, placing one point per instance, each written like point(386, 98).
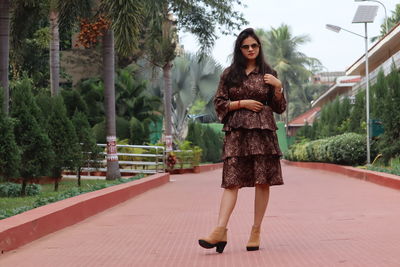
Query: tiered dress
point(251, 153)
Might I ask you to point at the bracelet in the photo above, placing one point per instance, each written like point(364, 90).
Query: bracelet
point(239, 105)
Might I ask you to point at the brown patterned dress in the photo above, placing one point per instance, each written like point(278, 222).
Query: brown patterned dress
point(251, 151)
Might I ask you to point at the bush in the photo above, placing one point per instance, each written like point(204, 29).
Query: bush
point(10, 190)
point(137, 132)
point(346, 149)
point(37, 152)
point(189, 154)
point(14, 190)
point(10, 154)
point(33, 189)
point(63, 137)
point(99, 131)
point(208, 139)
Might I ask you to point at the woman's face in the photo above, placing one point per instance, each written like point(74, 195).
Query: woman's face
point(250, 48)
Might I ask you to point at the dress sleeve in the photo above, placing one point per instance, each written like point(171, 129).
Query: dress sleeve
point(221, 99)
point(277, 105)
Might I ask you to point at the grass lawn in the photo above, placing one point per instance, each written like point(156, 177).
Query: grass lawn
point(10, 206)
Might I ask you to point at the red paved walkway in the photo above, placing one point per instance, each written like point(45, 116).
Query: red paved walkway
point(316, 219)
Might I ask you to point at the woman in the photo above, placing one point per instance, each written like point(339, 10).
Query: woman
point(248, 93)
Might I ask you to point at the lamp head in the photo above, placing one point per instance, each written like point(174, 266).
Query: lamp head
point(333, 28)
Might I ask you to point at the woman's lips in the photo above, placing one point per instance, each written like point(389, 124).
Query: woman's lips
point(251, 54)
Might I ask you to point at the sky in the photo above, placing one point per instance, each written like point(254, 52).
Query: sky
point(336, 51)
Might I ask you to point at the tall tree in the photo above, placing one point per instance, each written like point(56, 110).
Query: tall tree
point(282, 52)
point(200, 18)
point(4, 52)
point(392, 21)
point(10, 154)
point(193, 81)
point(37, 154)
point(54, 49)
point(125, 20)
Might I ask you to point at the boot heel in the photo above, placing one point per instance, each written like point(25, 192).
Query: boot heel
point(252, 248)
point(221, 247)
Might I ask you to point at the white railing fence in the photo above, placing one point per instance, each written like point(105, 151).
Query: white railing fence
point(132, 159)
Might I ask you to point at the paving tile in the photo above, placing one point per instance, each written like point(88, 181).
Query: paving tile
point(317, 218)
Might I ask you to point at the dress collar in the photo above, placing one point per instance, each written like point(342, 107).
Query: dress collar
point(255, 71)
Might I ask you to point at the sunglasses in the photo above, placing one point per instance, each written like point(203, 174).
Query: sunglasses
point(253, 46)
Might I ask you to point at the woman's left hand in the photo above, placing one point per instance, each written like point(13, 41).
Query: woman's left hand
point(272, 80)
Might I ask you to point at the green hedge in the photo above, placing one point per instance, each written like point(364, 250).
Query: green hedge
point(14, 190)
point(345, 149)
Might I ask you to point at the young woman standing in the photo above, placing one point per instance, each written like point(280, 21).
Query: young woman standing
point(248, 94)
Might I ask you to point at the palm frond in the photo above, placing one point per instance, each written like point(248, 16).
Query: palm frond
point(126, 18)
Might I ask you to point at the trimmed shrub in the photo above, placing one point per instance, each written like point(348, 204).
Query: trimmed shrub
point(73, 102)
point(99, 131)
point(208, 139)
point(10, 154)
point(123, 128)
point(346, 149)
point(14, 190)
point(37, 153)
point(137, 132)
point(63, 138)
point(90, 151)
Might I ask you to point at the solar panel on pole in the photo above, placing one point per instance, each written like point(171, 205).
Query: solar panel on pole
point(365, 14)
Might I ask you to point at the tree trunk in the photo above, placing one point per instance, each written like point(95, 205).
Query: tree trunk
point(168, 104)
point(56, 183)
point(286, 88)
point(4, 51)
point(79, 176)
point(54, 54)
point(109, 103)
point(23, 188)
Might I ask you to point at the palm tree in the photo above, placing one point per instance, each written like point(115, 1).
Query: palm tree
point(192, 81)
point(4, 52)
point(198, 17)
point(392, 21)
point(6, 9)
point(54, 49)
point(281, 51)
point(125, 18)
point(132, 98)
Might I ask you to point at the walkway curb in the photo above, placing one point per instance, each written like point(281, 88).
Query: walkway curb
point(36, 223)
point(384, 179)
point(197, 169)
point(207, 167)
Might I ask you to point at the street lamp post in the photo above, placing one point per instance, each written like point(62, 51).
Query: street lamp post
point(364, 14)
point(384, 8)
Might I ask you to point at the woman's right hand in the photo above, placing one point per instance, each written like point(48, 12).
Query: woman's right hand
point(252, 105)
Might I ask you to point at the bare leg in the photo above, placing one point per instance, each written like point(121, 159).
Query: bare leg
point(260, 203)
point(228, 203)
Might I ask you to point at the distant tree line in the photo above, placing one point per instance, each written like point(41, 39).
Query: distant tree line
point(340, 116)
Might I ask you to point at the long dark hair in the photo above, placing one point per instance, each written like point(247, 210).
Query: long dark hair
point(237, 70)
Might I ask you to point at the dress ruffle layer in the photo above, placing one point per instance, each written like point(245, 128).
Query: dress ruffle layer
point(245, 142)
point(251, 171)
point(247, 119)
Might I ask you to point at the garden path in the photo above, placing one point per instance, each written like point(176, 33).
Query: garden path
point(317, 218)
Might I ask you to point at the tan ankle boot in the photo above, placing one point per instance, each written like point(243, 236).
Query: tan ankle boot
point(218, 239)
point(254, 240)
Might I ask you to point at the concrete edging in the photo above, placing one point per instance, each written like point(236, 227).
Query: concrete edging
point(197, 169)
point(36, 223)
point(207, 167)
point(384, 179)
